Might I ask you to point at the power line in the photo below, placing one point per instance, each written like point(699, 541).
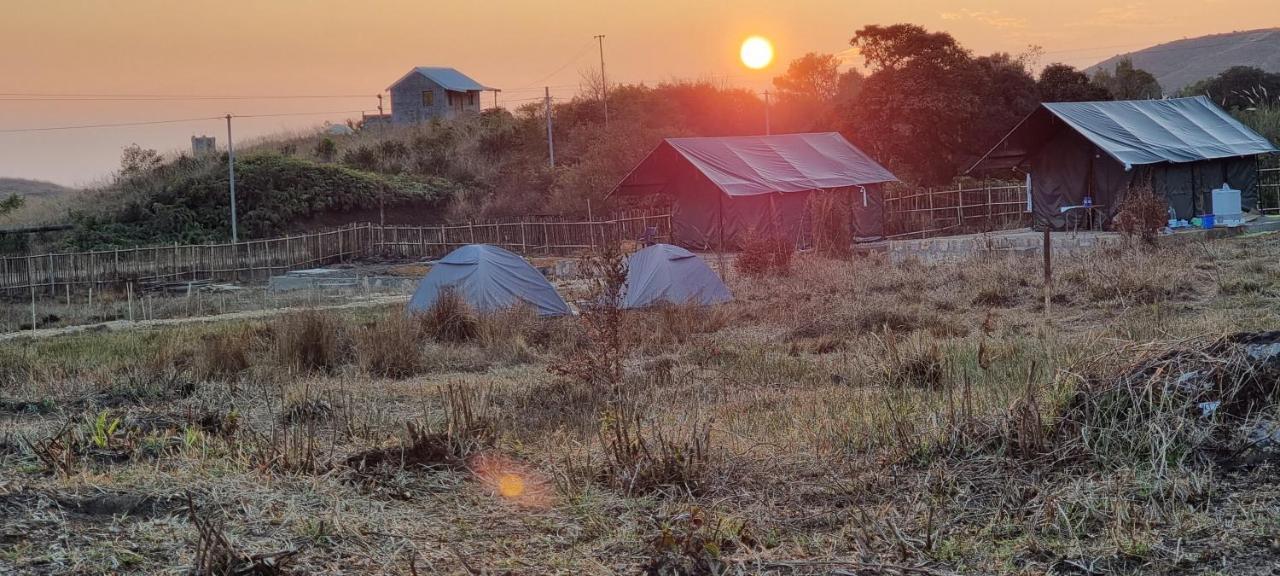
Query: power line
point(114, 125)
point(576, 56)
point(173, 121)
point(54, 97)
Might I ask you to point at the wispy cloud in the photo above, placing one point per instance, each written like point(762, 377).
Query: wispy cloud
point(993, 18)
point(1130, 15)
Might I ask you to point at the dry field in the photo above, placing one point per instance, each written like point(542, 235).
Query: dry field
point(851, 417)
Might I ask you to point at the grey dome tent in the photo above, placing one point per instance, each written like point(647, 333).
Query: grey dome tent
point(665, 273)
point(488, 278)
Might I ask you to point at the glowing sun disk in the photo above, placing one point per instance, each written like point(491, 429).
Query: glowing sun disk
point(757, 52)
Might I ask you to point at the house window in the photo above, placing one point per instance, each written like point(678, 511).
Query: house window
point(428, 98)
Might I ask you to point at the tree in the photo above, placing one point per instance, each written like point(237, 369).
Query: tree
point(1239, 87)
point(806, 91)
point(929, 108)
point(1126, 82)
point(1063, 83)
point(13, 202)
point(136, 160)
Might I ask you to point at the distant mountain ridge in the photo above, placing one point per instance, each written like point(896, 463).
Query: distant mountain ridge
point(1181, 63)
point(31, 188)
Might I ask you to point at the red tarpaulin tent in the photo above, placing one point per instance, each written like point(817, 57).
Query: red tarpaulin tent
point(721, 188)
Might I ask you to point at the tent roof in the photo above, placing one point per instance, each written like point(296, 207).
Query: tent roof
point(489, 278)
point(448, 78)
point(752, 165)
point(1134, 132)
point(665, 273)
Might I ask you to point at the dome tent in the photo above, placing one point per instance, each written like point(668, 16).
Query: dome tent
point(666, 273)
point(488, 278)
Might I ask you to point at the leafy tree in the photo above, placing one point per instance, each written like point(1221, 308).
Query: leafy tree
point(1239, 87)
point(929, 108)
point(1063, 83)
point(807, 91)
point(1126, 82)
point(136, 160)
point(13, 202)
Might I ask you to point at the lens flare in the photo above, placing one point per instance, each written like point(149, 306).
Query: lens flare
point(510, 486)
point(511, 480)
point(757, 52)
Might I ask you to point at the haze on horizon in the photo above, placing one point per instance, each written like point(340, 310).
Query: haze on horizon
point(335, 47)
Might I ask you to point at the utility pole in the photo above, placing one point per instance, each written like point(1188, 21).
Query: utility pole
point(766, 113)
point(604, 85)
point(551, 142)
point(231, 170)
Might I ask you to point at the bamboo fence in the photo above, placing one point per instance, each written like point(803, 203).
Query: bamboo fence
point(258, 260)
point(933, 212)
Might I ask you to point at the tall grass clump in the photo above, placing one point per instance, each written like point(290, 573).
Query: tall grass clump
point(831, 226)
point(764, 255)
point(450, 319)
point(310, 341)
point(391, 346)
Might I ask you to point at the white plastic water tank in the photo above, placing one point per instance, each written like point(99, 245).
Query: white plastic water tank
point(1226, 206)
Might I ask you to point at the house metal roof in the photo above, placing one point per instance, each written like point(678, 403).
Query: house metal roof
point(449, 78)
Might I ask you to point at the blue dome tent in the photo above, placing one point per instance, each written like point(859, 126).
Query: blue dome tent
point(665, 273)
point(488, 278)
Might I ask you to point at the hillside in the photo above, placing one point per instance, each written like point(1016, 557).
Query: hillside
point(1182, 62)
point(31, 188)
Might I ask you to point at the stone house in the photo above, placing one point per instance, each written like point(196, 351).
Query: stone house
point(428, 93)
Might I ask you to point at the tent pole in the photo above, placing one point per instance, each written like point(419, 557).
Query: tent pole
point(720, 248)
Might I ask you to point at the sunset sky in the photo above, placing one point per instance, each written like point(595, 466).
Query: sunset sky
point(325, 48)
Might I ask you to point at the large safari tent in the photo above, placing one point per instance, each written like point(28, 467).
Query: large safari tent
point(721, 189)
point(1183, 147)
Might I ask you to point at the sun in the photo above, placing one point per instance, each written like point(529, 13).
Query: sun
point(757, 52)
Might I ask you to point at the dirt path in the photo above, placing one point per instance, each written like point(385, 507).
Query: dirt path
point(247, 314)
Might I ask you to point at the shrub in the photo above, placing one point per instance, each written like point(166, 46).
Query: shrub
point(326, 149)
point(310, 341)
point(1142, 213)
point(598, 362)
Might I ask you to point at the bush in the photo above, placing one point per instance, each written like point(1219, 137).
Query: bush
point(1142, 213)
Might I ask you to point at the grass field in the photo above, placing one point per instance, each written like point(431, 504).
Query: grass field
point(850, 417)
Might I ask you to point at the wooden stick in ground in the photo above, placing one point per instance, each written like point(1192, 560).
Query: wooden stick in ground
point(1048, 270)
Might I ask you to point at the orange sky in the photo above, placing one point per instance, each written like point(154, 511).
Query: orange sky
point(340, 47)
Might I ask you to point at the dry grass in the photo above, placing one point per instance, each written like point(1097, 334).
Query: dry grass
point(854, 416)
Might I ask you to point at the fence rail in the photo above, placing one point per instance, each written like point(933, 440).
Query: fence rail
point(257, 260)
point(930, 212)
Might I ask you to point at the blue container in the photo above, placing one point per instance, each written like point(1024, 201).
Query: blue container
point(1207, 221)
